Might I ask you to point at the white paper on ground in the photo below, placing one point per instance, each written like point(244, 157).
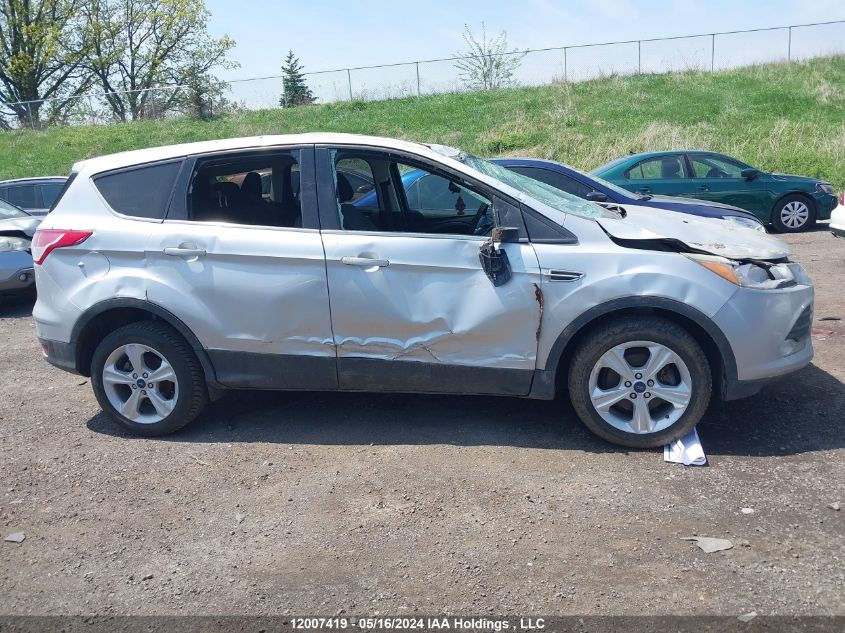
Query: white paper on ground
point(686, 450)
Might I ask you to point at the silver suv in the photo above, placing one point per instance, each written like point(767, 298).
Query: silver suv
point(169, 275)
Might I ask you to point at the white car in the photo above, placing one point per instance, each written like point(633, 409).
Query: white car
point(169, 276)
point(837, 218)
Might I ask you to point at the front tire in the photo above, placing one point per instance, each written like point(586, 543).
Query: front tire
point(793, 214)
point(639, 382)
point(148, 379)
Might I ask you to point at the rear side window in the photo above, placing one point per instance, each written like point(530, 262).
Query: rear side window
point(556, 180)
point(143, 192)
point(24, 196)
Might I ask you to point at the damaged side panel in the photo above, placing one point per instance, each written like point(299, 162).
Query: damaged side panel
point(429, 301)
point(614, 272)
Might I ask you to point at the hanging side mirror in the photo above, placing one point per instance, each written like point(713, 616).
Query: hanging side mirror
point(494, 260)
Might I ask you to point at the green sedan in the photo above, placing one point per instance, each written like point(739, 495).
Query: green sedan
point(790, 203)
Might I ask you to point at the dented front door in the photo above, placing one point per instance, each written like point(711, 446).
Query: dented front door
point(415, 312)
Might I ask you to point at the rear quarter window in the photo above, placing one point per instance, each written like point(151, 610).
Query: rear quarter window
point(142, 192)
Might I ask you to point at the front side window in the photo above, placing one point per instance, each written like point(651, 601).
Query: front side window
point(378, 193)
point(710, 166)
point(659, 168)
point(50, 192)
point(142, 192)
point(257, 189)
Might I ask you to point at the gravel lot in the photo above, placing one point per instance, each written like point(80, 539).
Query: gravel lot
point(320, 503)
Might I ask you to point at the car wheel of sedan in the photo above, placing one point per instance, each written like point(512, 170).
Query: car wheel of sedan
point(640, 381)
point(793, 214)
point(148, 378)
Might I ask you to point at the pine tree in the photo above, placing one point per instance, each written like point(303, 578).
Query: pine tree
point(295, 91)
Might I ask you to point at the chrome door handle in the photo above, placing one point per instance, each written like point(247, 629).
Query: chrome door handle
point(188, 253)
point(703, 188)
point(364, 262)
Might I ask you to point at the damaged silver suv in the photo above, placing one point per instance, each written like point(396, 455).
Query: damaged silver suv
point(352, 263)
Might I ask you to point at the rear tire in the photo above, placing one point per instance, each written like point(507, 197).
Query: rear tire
point(148, 379)
point(794, 213)
point(639, 382)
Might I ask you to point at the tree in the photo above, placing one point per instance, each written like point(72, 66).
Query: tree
point(42, 49)
point(149, 55)
point(487, 63)
point(295, 91)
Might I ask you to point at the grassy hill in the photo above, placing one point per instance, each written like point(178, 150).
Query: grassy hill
point(779, 117)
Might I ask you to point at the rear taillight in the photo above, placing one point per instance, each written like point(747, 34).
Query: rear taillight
point(46, 240)
point(842, 199)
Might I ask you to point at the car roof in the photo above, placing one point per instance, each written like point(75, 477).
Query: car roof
point(155, 154)
point(668, 152)
point(32, 179)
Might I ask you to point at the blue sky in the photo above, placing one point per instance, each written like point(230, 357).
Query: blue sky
point(328, 34)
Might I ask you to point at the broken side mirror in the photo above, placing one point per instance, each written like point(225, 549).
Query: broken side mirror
point(494, 260)
point(505, 234)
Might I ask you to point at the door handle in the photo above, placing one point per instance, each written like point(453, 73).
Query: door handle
point(184, 251)
point(703, 188)
point(364, 262)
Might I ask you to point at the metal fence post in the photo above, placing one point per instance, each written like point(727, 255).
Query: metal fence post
point(29, 112)
point(418, 78)
point(639, 57)
point(789, 46)
point(712, 52)
point(349, 79)
point(565, 74)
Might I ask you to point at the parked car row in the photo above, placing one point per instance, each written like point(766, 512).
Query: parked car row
point(372, 264)
point(789, 203)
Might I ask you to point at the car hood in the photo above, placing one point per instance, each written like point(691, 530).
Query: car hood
point(703, 235)
point(792, 178)
point(25, 225)
point(696, 202)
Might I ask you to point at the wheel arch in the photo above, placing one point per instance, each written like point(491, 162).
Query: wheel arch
point(707, 334)
point(106, 316)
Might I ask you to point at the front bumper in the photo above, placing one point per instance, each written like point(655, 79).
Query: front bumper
point(825, 204)
point(20, 280)
point(837, 221)
point(769, 333)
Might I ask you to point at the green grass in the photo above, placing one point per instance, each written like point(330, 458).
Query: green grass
point(787, 117)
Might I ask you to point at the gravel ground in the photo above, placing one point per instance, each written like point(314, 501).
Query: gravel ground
point(324, 503)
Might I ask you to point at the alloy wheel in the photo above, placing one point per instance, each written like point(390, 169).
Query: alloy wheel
point(140, 383)
point(640, 387)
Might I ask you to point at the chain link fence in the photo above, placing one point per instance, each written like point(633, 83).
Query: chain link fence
point(571, 63)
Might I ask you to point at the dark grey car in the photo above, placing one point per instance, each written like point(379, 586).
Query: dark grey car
point(33, 195)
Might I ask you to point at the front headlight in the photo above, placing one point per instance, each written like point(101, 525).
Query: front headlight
point(747, 223)
point(13, 244)
point(762, 276)
point(825, 187)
